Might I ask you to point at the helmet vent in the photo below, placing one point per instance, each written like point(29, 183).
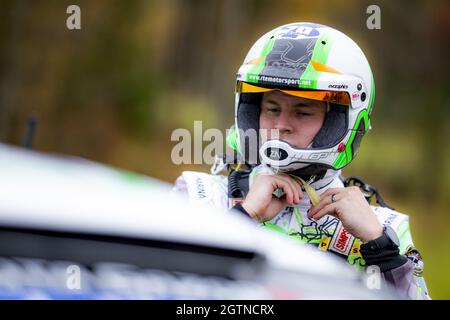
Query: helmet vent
point(363, 96)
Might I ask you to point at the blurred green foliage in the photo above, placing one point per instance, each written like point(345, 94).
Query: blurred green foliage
point(115, 90)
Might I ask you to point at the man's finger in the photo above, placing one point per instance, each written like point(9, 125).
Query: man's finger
point(298, 185)
point(329, 209)
point(332, 191)
point(294, 187)
point(326, 199)
point(287, 189)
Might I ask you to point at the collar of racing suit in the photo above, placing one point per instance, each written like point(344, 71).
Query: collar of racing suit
point(331, 177)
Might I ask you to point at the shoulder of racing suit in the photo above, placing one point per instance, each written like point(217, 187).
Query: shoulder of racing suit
point(203, 188)
point(411, 282)
point(397, 221)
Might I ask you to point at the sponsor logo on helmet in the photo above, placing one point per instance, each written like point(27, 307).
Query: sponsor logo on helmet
point(289, 35)
point(315, 155)
point(300, 29)
point(355, 95)
point(276, 154)
point(270, 80)
point(305, 82)
point(338, 86)
point(289, 57)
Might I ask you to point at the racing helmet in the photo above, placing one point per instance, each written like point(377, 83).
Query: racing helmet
point(311, 61)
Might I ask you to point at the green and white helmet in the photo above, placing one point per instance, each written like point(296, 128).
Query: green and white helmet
point(313, 61)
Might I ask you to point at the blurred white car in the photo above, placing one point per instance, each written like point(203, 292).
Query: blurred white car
point(74, 229)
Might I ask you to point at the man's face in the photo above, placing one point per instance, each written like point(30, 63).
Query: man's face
point(298, 120)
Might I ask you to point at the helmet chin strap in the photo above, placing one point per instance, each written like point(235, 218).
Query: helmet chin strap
point(322, 175)
point(313, 170)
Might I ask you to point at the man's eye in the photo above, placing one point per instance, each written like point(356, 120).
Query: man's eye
point(304, 114)
point(273, 110)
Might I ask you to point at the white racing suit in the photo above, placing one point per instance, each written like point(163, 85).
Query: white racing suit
point(326, 233)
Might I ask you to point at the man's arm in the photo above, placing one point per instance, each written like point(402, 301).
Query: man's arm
point(403, 271)
point(405, 280)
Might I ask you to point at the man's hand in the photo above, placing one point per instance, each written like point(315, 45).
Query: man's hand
point(352, 208)
point(262, 205)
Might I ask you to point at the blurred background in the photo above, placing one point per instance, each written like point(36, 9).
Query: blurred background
point(115, 90)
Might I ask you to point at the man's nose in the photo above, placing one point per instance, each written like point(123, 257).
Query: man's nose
point(283, 123)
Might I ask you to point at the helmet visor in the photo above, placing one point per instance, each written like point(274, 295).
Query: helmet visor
point(338, 97)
